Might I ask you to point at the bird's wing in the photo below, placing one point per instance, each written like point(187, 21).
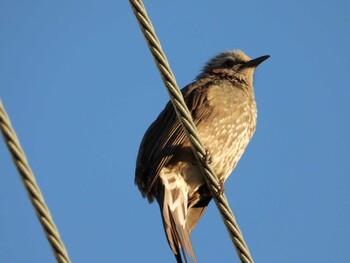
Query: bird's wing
point(165, 136)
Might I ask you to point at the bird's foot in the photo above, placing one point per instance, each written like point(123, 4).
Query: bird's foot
point(206, 158)
point(221, 189)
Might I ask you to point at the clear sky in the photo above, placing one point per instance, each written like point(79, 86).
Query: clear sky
point(81, 88)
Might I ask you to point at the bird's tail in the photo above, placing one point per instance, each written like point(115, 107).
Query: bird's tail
point(179, 241)
point(173, 200)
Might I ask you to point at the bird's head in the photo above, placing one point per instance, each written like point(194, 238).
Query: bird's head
point(232, 63)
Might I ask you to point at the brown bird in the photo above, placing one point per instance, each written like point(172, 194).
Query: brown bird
point(221, 101)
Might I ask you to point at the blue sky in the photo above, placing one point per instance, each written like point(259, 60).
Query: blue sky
point(81, 88)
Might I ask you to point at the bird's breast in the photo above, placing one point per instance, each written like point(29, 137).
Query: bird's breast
point(228, 130)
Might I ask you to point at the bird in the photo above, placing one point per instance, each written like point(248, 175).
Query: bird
point(222, 105)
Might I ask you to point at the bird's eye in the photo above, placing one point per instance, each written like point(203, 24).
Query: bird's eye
point(229, 63)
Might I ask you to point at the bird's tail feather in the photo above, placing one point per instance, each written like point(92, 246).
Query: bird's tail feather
point(173, 200)
point(181, 237)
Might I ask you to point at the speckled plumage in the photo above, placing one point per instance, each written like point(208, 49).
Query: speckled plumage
point(222, 104)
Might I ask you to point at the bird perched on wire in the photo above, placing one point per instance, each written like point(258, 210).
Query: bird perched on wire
point(222, 105)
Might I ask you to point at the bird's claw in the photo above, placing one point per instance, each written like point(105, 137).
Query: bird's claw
point(207, 158)
point(221, 189)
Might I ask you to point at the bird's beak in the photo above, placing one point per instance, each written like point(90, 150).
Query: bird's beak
point(255, 62)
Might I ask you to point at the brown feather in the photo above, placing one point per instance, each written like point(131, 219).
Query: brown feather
point(165, 136)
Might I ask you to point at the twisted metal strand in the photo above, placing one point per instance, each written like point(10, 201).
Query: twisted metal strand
point(33, 191)
point(185, 118)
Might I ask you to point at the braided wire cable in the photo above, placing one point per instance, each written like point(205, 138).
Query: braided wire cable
point(189, 127)
point(33, 191)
